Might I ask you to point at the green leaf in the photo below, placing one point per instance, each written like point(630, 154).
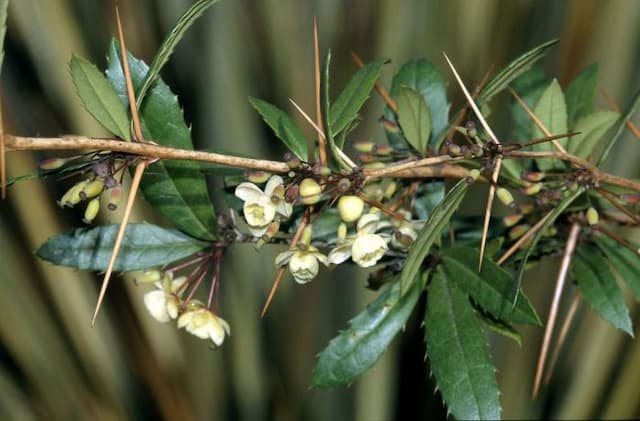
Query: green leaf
point(620, 126)
point(513, 70)
point(169, 44)
point(99, 98)
point(529, 86)
point(499, 326)
point(458, 353)
point(357, 348)
point(346, 107)
point(551, 219)
point(429, 233)
point(598, 285)
point(176, 188)
point(283, 126)
point(552, 112)
point(143, 246)
point(491, 289)
point(581, 94)
point(623, 260)
point(325, 99)
point(423, 77)
point(4, 4)
point(414, 118)
point(590, 130)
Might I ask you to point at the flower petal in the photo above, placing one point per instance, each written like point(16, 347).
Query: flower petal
point(368, 223)
point(273, 182)
point(248, 192)
point(339, 254)
point(284, 257)
point(368, 249)
point(259, 213)
point(156, 303)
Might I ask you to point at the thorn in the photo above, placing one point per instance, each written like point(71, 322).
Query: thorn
point(562, 336)
point(524, 238)
point(135, 184)
point(322, 147)
point(3, 160)
point(553, 310)
point(537, 121)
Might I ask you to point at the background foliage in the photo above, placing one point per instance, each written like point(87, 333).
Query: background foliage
point(129, 366)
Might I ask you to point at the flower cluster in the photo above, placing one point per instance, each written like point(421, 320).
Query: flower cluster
point(165, 304)
point(364, 234)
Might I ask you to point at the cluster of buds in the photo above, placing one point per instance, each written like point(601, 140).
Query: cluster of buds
point(165, 304)
point(100, 182)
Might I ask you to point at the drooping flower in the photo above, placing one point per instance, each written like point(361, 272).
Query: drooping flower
point(260, 208)
point(204, 324)
point(303, 262)
point(366, 247)
point(164, 303)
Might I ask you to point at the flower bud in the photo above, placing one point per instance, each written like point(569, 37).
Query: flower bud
point(92, 189)
point(527, 208)
point(114, 195)
point(51, 163)
point(366, 158)
point(342, 232)
point(91, 210)
point(382, 150)
point(344, 185)
point(473, 176)
point(257, 177)
point(72, 196)
point(350, 208)
point(511, 220)
point(101, 169)
point(518, 231)
point(321, 170)
point(272, 230)
point(505, 196)
point(292, 193)
point(149, 277)
point(389, 125)
point(454, 150)
point(630, 198)
point(364, 146)
point(292, 161)
point(533, 176)
point(592, 216)
point(310, 191)
point(532, 189)
point(390, 189)
point(470, 126)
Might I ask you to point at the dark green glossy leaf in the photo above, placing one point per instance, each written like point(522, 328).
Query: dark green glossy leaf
point(414, 118)
point(169, 44)
point(325, 99)
point(458, 353)
point(499, 326)
point(4, 4)
point(427, 198)
point(599, 287)
point(551, 219)
point(99, 98)
point(590, 130)
point(491, 289)
point(283, 126)
point(357, 348)
point(620, 126)
point(346, 107)
point(581, 94)
point(144, 246)
point(431, 231)
point(423, 77)
point(552, 112)
point(176, 188)
point(513, 70)
point(623, 260)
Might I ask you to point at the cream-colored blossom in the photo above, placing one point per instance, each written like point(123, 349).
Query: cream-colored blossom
point(261, 207)
point(163, 304)
point(366, 247)
point(204, 324)
point(303, 262)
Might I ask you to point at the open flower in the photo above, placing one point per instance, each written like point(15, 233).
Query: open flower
point(260, 208)
point(163, 304)
point(367, 247)
point(204, 324)
point(303, 262)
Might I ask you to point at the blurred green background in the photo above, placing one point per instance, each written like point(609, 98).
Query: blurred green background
point(55, 366)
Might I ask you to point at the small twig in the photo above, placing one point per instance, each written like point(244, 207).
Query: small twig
point(536, 120)
point(571, 314)
point(553, 310)
point(409, 165)
point(280, 273)
point(378, 86)
point(612, 199)
point(322, 144)
point(618, 239)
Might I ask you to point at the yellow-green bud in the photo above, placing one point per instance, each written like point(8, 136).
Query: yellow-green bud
point(91, 211)
point(390, 189)
point(305, 238)
point(454, 150)
point(518, 231)
point(532, 189)
point(366, 147)
point(342, 232)
point(114, 195)
point(511, 220)
point(474, 174)
point(382, 150)
point(310, 191)
point(533, 176)
point(149, 277)
point(258, 177)
point(505, 196)
point(51, 163)
point(92, 189)
point(592, 216)
point(272, 230)
point(350, 208)
point(72, 196)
